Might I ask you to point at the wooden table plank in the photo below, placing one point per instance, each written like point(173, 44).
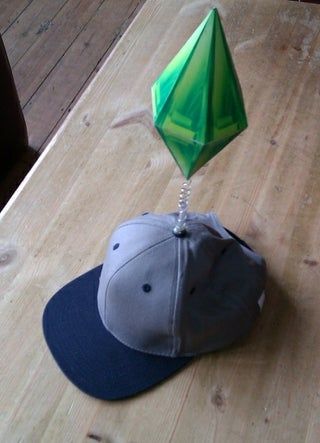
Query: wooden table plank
point(106, 165)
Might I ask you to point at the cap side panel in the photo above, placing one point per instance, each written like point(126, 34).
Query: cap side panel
point(124, 245)
point(138, 318)
point(222, 285)
point(226, 305)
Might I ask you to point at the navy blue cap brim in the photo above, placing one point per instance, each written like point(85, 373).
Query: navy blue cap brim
point(90, 356)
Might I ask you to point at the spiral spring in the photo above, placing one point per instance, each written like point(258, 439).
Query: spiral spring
point(183, 205)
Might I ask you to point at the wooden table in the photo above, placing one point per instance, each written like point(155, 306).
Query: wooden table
point(107, 164)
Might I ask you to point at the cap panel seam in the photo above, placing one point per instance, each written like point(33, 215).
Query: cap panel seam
point(173, 293)
point(177, 293)
point(126, 263)
point(151, 223)
point(183, 266)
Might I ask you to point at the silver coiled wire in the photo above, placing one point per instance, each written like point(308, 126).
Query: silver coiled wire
point(183, 206)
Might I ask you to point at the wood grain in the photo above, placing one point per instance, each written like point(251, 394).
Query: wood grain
point(104, 165)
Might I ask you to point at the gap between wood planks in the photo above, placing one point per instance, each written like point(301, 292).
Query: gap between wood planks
point(316, 2)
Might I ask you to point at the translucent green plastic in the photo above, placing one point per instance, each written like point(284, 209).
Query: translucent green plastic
point(197, 101)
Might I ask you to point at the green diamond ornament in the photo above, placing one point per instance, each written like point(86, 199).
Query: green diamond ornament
point(197, 101)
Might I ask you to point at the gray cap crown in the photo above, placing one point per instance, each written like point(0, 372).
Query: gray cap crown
point(173, 296)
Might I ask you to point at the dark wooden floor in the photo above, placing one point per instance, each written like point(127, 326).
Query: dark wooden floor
point(55, 47)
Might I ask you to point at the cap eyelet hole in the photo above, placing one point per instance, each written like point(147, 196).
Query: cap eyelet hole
point(146, 287)
point(116, 246)
point(192, 290)
point(145, 213)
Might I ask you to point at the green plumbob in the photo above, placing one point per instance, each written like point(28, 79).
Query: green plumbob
point(197, 100)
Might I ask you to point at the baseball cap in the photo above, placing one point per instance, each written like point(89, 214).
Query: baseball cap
point(157, 301)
